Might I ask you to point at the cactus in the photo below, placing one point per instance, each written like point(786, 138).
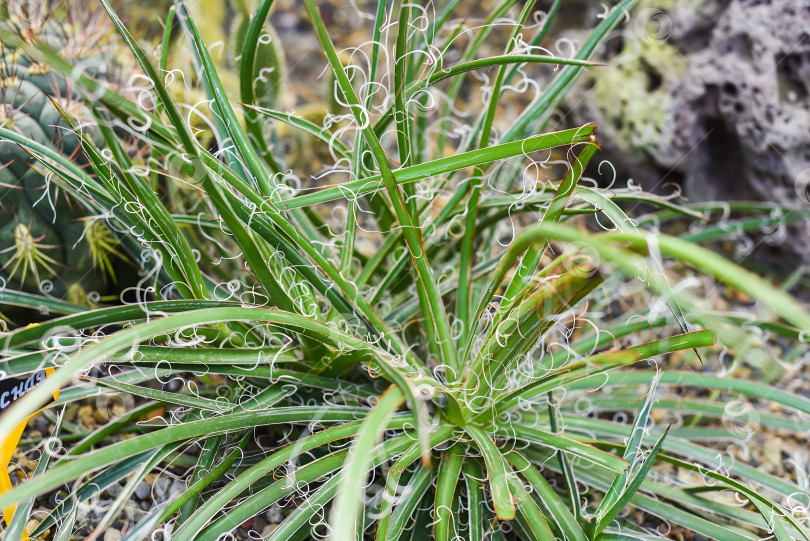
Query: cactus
point(48, 241)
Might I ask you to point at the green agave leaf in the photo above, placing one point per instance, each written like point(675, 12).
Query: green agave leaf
point(541, 108)
point(196, 402)
point(426, 284)
point(531, 513)
point(552, 215)
point(255, 61)
point(605, 516)
point(195, 524)
point(768, 509)
point(607, 360)
point(307, 127)
point(96, 484)
point(474, 478)
point(344, 515)
point(501, 60)
point(497, 471)
point(753, 389)
point(447, 479)
point(472, 206)
point(391, 486)
point(444, 165)
point(123, 497)
point(554, 507)
point(564, 444)
point(416, 489)
point(565, 465)
point(190, 498)
point(631, 451)
point(223, 424)
point(231, 123)
point(39, 302)
point(692, 451)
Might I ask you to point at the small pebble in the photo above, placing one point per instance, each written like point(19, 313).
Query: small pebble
point(25, 463)
point(258, 523)
point(112, 535)
point(160, 488)
point(142, 491)
point(114, 490)
point(101, 417)
point(86, 416)
point(274, 515)
point(71, 411)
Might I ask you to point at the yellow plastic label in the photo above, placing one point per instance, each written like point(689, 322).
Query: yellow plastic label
point(11, 390)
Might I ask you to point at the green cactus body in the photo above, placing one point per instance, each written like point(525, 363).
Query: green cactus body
point(44, 241)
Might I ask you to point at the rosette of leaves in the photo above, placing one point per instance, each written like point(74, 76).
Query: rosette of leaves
point(432, 385)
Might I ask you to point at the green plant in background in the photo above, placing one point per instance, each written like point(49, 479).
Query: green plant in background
point(430, 386)
point(223, 25)
point(43, 231)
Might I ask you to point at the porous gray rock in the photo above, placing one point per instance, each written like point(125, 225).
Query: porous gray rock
point(712, 95)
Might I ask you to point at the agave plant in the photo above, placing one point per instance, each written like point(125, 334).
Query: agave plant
point(456, 378)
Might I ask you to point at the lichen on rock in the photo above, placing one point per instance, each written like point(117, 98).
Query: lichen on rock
point(715, 96)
